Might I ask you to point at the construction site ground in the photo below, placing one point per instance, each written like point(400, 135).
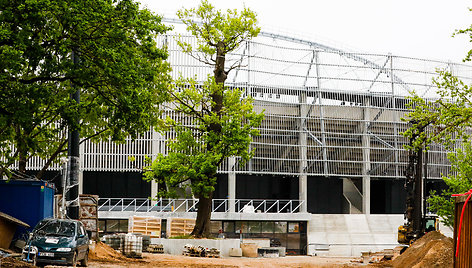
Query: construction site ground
point(432, 250)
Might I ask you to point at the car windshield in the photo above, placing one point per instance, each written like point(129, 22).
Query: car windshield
point(54, 227)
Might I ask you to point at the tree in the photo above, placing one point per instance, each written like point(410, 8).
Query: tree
point(122, 75)
point(223, 122)
point(449, 120)
point(460, 181)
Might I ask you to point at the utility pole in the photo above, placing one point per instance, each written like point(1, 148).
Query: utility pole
point(74, 161)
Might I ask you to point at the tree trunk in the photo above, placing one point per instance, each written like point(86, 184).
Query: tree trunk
point(21, 148)
point(202, 224)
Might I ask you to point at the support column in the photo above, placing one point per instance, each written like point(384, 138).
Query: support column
point(81, 182)
point(366, 160)
point(232, 184)
point(302, 142)
point(155, 150)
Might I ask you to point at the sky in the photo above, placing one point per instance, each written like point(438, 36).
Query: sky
point(410, 28)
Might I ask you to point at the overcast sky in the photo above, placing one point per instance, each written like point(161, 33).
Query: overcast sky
point(412, 28)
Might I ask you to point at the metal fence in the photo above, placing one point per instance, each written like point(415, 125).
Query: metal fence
point(191, 205)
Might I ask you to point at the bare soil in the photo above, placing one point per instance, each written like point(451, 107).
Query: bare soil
point(432, 250)
point(9, 262)
point(105, 256)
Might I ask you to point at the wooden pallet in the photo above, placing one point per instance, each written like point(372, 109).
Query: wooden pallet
point(145, 225)
point(179, 227)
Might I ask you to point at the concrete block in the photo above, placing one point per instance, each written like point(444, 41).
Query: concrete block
point(235, 252)
point(249, 250)
point(260, 242)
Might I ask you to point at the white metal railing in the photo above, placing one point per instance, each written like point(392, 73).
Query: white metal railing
point(191, 205)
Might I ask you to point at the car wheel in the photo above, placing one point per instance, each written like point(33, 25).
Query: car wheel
point(84, 261)
point(74, 259)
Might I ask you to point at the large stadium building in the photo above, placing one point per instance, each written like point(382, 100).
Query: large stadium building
point(328, 172)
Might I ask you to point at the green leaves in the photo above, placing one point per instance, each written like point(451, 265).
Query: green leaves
point(212, 122)
point(121, 73)
point(196, 151)
point(459, 181)
point(211, 26)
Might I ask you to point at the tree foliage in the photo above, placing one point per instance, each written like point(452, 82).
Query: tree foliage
point(196, 152)
point(459, 181)
point(222, 121)
point(449, 120)
point(121, 73)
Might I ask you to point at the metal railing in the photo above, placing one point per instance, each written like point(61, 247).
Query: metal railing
point(191, 205)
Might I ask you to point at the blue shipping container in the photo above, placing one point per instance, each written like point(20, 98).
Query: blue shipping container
point(27, 200)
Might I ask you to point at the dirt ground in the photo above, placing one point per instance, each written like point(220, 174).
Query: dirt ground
point(165, 260)
point(432, 250)
point(105, 256)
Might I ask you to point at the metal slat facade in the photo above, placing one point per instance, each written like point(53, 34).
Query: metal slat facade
point(346, 106)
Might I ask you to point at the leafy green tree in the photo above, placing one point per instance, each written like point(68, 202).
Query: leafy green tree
point(223, 122)
point(460, 181)
point(448, 121)
point(121, 73)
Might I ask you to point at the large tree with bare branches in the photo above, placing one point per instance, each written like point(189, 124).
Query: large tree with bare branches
point(223, 121)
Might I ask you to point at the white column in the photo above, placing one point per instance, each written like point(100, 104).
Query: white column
point(302, 142)
point(366, 160)
point(155, 150)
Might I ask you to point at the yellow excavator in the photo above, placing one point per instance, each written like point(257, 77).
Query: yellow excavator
point(417, 222)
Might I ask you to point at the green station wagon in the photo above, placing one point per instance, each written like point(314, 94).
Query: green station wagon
point(57, 241)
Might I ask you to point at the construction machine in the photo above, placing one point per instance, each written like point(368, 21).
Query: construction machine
point(417, 223)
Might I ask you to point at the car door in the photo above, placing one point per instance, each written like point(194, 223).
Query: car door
point(82, 240)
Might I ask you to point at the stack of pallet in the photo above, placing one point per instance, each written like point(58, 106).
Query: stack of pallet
point(179, 227)
point(150, 226)
point(194, 251)
point(155, 248)
point(213, 253)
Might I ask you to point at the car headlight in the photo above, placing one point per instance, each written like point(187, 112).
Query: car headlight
point(31, 249)
point(64, 249)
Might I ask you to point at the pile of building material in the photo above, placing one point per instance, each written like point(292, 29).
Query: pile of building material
point(133, 246)
point(155, 248)
point(199, 251)
point(213, 253)
point(130, 245)
point(194, 251)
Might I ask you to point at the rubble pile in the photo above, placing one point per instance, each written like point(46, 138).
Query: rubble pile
point(103, 252)
point(432, 250)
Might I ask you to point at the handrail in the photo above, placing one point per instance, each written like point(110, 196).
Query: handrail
point(191, 205)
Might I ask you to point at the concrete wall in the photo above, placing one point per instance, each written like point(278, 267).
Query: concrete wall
point(176, 246)
point(351, 234)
